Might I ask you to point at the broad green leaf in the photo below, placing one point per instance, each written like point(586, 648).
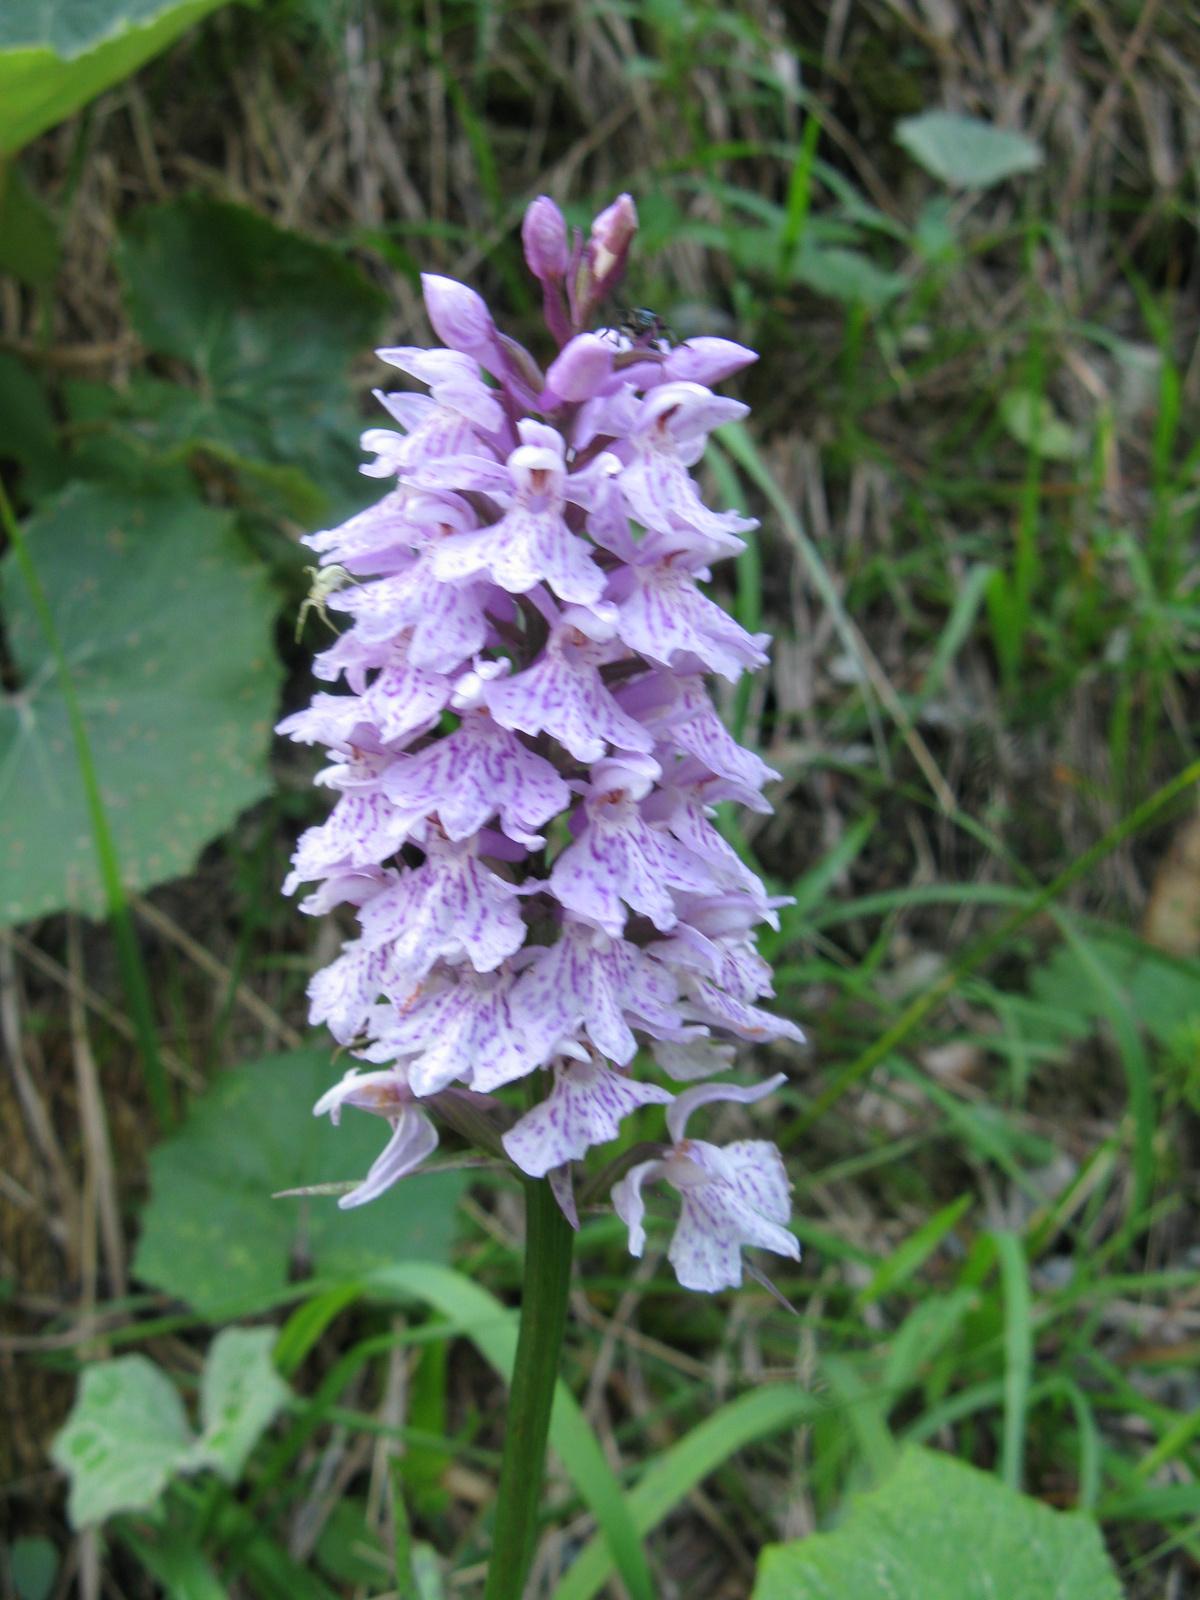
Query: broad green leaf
point(670, 1477)
point(28, 237)
point(847, 275)
point(1031, 419)
point(33, 1566)
point(55, 57)
point(966, 152)
point(213, 1236)
point(241, 1393)
point(123, 1438)
point(269, 322)
point(167, 628)
point(493, 1329)
point(1163, 991)
point(940, 1530)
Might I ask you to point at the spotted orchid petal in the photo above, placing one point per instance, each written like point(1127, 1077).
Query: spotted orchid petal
point(525, 661)
point(619, 861)
point(361, 830)
point(691, 1059)
point(478, 772)
point(628, 1203)
point(585, 1107)
point(729, 1198)
point(454, 383)
point(446, 620)
point(563, 695)
point(341, 995)
point(664, 617)
point(452, 907)
point(460, 1027)
point(588, 980)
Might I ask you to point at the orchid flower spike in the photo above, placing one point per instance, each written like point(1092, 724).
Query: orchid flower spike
point(524, 659)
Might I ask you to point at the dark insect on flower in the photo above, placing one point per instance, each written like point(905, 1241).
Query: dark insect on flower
point(644, 326)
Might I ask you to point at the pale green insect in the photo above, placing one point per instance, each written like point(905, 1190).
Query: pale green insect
point(325, 581)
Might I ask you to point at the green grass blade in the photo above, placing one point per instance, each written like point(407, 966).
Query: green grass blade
point(406, 1583)
point(811, 888)
point(922, 1336)
point(677, 1471)
point(492, 1328)
point(734, 437)
point(1018, 1355)
point(1133, 1060)
point(916, 1250)
point(979, 1397)
point(954, 635)
point(864, 1409)
point(178, 1564)
point(129, 955)
point(308, 1322)
point(799, 196)
point(991, 944)
point(1172, 1443)
point(1089, 1434)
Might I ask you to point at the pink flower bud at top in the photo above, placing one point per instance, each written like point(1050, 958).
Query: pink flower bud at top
point(579, 370)
point(544, 235)
point(612, 234)
point(460, 318)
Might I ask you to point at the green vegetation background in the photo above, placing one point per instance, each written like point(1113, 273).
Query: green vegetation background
point(963, 237)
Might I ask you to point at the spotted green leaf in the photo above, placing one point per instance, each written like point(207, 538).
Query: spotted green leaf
point(167, 629)
point(125, 1434)
point(240, 1395)
point(269, 323)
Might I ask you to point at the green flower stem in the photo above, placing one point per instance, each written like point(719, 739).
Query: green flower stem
point(129, 955)
point(549, 1242)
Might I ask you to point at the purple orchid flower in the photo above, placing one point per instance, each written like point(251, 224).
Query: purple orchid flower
point(414, 1136)
point(729, 1197)
point(585, 1107)
point(526, 758)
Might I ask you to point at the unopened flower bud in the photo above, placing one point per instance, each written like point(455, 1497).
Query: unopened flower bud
point(612, 234)
point(544, 235)
point(459, 317)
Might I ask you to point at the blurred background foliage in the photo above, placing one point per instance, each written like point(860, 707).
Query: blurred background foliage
point(962, 233)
